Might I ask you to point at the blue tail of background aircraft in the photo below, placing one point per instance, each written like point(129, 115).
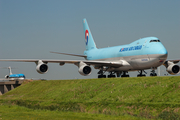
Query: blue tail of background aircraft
point(90, 44)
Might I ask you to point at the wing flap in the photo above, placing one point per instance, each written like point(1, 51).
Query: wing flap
point(105, 63)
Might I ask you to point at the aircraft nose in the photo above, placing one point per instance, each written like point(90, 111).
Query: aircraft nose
point(163, 51)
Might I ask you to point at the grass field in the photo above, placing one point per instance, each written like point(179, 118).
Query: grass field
point(14, 112)
point(115, 98)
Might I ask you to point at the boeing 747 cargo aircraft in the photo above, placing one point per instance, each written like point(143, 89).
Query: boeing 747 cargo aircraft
point(140, 55)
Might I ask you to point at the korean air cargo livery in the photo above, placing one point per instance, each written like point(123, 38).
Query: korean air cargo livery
point(142, 54)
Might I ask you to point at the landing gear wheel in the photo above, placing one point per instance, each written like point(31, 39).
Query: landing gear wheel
point(111, 76)
point(143, 75)
point(153, 74)
point(101, 73)
point(124, 75)
point(101, 76)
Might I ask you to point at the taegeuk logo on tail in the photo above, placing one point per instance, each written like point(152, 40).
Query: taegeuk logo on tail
point(86, 36)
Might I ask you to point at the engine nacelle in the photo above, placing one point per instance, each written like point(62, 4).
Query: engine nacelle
point(7, 76)
point(85, 70)
point(42, 68)
point(173, 69)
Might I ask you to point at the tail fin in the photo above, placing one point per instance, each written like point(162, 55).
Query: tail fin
point(90, 44)
point(10, 71)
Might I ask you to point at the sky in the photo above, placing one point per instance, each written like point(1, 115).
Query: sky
point(30, 29)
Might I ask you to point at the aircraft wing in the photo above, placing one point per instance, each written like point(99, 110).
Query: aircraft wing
point(3, 79)
point(174, 61)
point(70, 54)
point(62, 62)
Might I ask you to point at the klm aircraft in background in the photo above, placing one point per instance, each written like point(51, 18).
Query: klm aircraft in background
point(12, 76)
point(140, 55)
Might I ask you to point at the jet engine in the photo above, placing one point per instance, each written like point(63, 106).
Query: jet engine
point(7, 76)
point(42, 68)
point(85, 70)
point(173, 69)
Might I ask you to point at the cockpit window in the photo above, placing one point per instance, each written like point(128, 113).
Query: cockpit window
point(155, 41)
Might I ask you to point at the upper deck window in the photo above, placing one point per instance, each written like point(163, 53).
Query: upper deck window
point(155, 41)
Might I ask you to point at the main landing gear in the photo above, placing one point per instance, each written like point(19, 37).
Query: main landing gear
point(153, 73)
point(111, 75)
point(124, 74)
point(141, 74)
point(101, 74)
